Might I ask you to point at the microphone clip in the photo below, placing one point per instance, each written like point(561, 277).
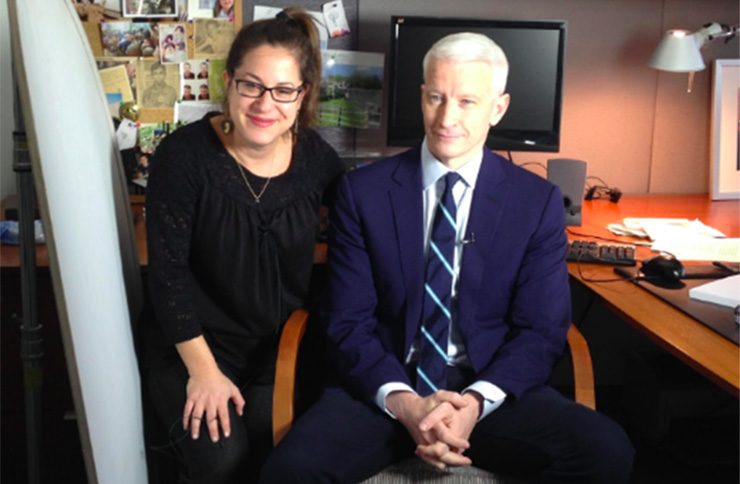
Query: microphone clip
point(469, 241)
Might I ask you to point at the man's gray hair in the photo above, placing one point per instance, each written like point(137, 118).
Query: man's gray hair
point(468, 46)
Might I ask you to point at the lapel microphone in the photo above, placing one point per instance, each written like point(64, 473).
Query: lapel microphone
point(469, 241)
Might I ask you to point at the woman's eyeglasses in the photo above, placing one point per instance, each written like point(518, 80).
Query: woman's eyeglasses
point(279, 94)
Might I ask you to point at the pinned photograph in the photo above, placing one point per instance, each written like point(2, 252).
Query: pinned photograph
point(142, 167)
point(223, 9)
point(336, 20)
point(189, 90)
point(129, 39)
point(110, 84)
point(115, 81)
point(200, 9)
point(351, 89)
point(186, 70)
point(216, 84)
point(172, 44)
point(114, 101)
point(150, 135)
point(203, 92)
point(202, 69)
point(186, 113)
point(213, 38)
point(149, 8)
point(158, 84)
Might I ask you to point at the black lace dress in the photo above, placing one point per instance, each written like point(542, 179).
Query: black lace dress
point(221, 264)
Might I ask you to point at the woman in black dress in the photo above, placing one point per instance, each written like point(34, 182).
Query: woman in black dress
point(232, 214)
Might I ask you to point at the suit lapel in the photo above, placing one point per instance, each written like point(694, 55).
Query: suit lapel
point(486, 210)
point(407, 206)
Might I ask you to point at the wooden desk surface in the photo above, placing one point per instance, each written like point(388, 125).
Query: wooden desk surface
point(695, 344)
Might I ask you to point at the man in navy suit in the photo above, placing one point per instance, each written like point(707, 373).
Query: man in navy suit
point(510, 308)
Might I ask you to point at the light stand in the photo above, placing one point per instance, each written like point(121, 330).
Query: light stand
point(31, 335)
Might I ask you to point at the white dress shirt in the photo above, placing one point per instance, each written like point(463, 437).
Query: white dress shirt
point(433, 172)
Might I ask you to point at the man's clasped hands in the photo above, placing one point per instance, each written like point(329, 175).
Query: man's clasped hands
point(440, 423)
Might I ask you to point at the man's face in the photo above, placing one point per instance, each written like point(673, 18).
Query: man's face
point(186, 68)
point(203, 90)
point(186, 90)
point(158, 75)
point(459, 107)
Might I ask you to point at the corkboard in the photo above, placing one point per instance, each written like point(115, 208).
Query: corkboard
point(92, 30)
point(154, 115)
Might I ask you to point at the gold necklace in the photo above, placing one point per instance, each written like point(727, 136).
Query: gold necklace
point(246, 181)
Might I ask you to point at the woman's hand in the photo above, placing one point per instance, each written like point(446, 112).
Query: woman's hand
point(208, 391)
point(208, 395)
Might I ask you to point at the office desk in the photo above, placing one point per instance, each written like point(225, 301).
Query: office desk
point(698, 346)
point(10, 255)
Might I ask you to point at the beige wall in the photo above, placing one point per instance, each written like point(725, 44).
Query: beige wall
point(7, 119)
point(636, 127)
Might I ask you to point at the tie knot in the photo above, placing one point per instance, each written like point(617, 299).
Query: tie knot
point(448, 200)
point(451, 178)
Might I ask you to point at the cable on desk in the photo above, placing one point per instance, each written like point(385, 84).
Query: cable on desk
point(587, 279)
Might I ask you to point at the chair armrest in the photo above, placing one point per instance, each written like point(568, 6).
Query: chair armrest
point(319, 253)
point(583, 371)
point(283, 396)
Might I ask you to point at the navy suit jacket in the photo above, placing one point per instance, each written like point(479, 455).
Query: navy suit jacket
point(513, 294)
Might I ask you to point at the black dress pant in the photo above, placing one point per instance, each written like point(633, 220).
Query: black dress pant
point(342, 439)
point(230, 460)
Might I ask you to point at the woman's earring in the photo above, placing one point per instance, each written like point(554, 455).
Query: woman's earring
point(295, 126)
point(227, 126)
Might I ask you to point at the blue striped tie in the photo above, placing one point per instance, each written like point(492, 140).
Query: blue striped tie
point(431, 371)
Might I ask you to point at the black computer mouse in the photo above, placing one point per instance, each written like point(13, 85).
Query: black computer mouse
point(664, 267)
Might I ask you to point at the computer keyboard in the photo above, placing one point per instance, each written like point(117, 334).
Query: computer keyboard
point(588, 251)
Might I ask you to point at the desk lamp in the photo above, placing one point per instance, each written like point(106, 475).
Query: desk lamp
point(679, 50)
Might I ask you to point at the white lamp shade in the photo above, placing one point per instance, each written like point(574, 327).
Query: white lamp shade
point(678, 51)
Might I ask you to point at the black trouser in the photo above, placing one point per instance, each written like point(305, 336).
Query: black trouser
point(344, 440)
point(234, 459)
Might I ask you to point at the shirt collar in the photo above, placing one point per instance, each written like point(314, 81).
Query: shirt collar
point(432, 169)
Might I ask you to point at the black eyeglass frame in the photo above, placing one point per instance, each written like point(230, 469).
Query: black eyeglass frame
point(297, 90)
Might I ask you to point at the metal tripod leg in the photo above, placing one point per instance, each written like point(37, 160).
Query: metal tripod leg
point(31, 335)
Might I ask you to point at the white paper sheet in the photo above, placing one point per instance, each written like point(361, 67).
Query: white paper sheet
point(700, 248)
point(725, 292)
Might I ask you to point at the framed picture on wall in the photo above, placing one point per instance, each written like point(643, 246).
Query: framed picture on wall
point(725, 147)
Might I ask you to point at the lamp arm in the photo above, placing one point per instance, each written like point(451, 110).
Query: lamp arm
point(714, 30)
point(729, 33)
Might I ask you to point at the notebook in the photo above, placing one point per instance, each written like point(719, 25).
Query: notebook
point(725, 291)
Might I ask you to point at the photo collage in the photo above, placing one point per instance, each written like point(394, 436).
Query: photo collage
point(162, 66)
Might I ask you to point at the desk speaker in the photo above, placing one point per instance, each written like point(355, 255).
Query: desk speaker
point(570, 176)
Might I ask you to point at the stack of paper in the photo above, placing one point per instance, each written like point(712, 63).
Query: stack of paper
point(725, 292)
point(687, 239)
point(659, 228)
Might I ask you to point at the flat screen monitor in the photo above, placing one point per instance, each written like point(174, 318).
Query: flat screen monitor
point(536, 54)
